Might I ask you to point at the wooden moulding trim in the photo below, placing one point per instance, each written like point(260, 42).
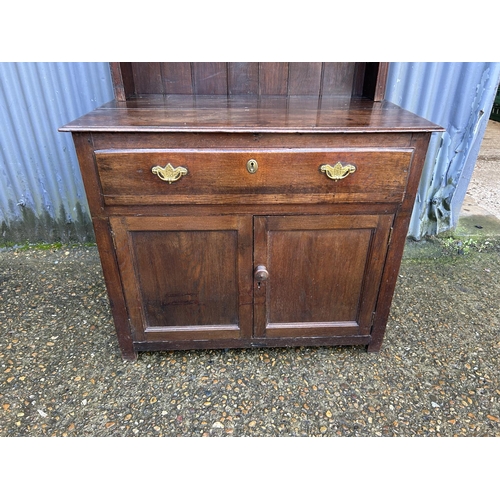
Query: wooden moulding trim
point(194, 333)
point(333, 330)
point(255, 342)
point(116, 77)
point(253, 209)
point(243, 198)
point(180, 140)
point(383, 70)
point(233, 129)
point(123, 80)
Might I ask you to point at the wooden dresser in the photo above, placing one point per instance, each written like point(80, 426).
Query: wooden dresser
point(250, 204)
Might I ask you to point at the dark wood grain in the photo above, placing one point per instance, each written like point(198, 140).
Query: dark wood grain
point(249, 78)
point(184, 277)
point(113, 282)
point(122, 77)
point(90, 177)
point(304, 78)
point(273, 78)
point(177, 78)
point(319, 268)
point(358, 79)
point(220, 176)
point(243, 78)
point(117, 79)
point(380, 83)
point(179, 259)
point(210, 78)
point(181, 285)
point(147, 78)
point(299, 114)
point(338, 79)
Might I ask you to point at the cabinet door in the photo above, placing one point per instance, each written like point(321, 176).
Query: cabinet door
point(323, 277)
point(186, 278)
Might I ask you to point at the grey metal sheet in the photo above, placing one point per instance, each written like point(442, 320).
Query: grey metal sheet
point(41, 191)
point(459, 97)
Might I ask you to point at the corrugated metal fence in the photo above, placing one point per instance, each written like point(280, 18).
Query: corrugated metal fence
point(41, 192)
point(459, 97)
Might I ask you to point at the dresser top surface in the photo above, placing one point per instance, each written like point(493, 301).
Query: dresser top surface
point(251, 114)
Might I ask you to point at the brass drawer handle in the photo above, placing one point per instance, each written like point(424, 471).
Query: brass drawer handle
point(168, 173)
point(338, 171)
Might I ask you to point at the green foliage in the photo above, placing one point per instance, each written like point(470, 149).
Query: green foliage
point(458, 246)
point(43, 246)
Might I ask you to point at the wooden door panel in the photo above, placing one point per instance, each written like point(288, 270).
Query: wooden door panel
point(186, 278)
point(324, 274)
point(183, 285)
point(332, 260)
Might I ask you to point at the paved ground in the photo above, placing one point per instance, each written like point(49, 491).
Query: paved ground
point(484, 187)
point(438, 374)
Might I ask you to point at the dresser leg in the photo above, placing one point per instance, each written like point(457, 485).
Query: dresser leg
point(114, 287)
point(128, 355)
point(378, 332)
point(374, 347)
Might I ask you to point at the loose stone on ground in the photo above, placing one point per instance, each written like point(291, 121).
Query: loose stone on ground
point(61, 373)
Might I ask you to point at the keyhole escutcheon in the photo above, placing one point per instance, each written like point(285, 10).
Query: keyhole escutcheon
point(252, 166)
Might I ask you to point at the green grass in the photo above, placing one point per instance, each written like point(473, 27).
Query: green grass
point(463, 246)
point(43, 246)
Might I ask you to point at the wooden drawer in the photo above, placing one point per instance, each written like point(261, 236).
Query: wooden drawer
point(282, 176)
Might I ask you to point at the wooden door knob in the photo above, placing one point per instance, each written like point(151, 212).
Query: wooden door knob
point(261, 273)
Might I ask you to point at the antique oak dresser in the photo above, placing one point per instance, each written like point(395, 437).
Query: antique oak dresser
point(250, 204)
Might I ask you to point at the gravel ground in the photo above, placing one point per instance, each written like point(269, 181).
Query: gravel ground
point(61, 373)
